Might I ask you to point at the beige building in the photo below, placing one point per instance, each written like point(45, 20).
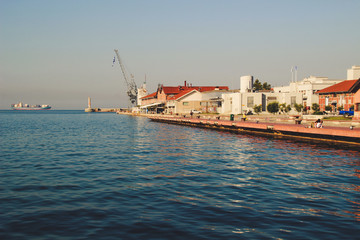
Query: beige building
point(193, 100)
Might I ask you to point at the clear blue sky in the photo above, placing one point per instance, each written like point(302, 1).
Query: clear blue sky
point(60, 52)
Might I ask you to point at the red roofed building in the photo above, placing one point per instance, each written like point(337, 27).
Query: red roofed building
point(158, 100)
point(339, 95)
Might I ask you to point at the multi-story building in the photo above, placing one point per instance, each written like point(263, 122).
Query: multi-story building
point(307, 88)
point(246, 98)
point(353, 73)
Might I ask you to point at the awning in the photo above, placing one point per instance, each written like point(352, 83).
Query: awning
point(150, 105)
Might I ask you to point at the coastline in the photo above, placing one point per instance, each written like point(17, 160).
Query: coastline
point(333, 131)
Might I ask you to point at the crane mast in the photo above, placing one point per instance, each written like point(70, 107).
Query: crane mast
point(132, 91)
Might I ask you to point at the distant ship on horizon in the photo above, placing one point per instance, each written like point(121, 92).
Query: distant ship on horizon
point(22, 106)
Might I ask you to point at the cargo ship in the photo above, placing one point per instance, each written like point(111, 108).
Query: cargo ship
point(22, 106)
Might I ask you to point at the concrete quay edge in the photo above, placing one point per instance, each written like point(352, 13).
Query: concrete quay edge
point(342, 135)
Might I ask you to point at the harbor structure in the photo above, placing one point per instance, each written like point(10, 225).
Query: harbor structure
point(132, 90)
point(89, 109)
point(332, 135)
point(163, 100)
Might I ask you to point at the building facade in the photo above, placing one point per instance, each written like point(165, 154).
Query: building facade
point(353, 73)
point(339, 95)
point(194, 100)
point(307, 88)
point(166, 98)
point(357, 105)
point(239, 103)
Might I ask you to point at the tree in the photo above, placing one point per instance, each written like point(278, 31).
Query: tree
point(273, 107)
point(257, 85)
point(258, 109)
point(266, 86)
point(298, 107)
point(261, 86)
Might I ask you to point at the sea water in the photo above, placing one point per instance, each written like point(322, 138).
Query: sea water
point(76, 175)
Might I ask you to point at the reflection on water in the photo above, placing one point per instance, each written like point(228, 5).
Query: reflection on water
point(106, 176)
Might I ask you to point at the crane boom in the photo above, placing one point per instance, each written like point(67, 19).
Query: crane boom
point(131, 85)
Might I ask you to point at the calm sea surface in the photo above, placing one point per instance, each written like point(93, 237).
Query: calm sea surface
point(76, 175)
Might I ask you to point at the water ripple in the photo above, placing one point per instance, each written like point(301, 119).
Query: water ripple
point(104, 176)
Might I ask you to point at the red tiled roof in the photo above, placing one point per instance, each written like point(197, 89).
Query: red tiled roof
point(176, 90)
point(150, 95)
point(341, 87)
point(181, 94)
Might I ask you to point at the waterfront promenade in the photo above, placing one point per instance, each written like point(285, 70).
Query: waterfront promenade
point(335, 131)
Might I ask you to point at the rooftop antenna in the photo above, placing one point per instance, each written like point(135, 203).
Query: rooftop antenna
point(294, 74)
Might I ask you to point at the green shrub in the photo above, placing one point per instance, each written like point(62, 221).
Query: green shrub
point(298, 107)
point(258, 109)
point(273, 107)
point(315, 107)
point(328, 108)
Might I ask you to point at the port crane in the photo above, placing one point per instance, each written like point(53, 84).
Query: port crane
point(132, 90)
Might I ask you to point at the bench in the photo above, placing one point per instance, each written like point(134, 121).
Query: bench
point(298, 121)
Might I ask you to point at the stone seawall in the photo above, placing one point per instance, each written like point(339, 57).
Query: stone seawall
point(326, 134)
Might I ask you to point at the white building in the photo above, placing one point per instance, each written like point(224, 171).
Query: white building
point(353, 73)
point(238, 102)
point(142, 92)
point(245, 99)
point(307, 88)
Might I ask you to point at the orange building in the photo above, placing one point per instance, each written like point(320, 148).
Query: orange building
point(339, 95)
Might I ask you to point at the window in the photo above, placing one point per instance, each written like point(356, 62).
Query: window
point(293, 101)
point(250, 102)
point(185, 103)
point(271, 99)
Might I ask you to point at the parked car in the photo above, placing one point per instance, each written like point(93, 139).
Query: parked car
point(195, 111)
point(347, 113)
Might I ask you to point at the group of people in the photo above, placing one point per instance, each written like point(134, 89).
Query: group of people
point(318, 123)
